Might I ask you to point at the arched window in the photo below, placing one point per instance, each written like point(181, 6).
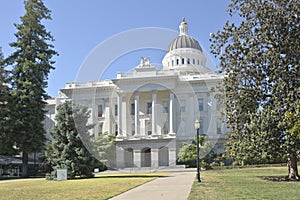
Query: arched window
point(182, 61)
point(177, 61)
point(188, 61)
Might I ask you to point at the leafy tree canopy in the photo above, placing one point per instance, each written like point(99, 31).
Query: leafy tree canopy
point(259, 58)
point(188, 151)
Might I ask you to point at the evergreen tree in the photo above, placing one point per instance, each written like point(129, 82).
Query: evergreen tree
point(31, 63)
point(259, 58)
point(6, 141)
point(105, 149)
point(68, 148)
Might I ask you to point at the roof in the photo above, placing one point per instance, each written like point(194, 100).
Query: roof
point(184, 41)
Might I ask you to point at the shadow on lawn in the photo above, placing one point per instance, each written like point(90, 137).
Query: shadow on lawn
point(133, 176)
point(278, 179)
point(123, 176)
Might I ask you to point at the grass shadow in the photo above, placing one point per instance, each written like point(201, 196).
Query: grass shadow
point(278, 179)
point(123, 176)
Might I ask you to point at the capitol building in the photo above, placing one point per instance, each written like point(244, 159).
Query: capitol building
point(152, 111)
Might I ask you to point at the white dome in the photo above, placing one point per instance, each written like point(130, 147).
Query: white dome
point(184, 54)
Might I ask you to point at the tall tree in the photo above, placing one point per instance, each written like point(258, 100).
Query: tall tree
point(259, 57)
point(5, 141)
point(68, 147)
point(31, 64)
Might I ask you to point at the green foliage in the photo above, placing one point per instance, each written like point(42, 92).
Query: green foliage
point(31, 63)
point(105, 149)
point(188, 151)
point(5, 141)
point(68, 150)
point(259, 58)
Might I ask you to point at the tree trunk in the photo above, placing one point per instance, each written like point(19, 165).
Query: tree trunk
point(24, 164)
point(292, 168)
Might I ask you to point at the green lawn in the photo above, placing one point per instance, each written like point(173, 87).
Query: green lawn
point(100, 187)
point(247, 183)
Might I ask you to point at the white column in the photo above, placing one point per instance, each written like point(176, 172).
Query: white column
point(107, 116)
point(136, 114)
point(171, 117)
point(119, 99)
point(137, 158)
point(120, 157)
point(154, 132)
point(154, 158)
point(172, 156)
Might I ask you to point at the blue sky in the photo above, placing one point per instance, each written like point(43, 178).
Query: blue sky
point(79, 26)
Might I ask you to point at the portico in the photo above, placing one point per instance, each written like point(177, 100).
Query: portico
point(148, 114)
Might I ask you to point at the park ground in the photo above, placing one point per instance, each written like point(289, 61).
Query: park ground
point(246, 183)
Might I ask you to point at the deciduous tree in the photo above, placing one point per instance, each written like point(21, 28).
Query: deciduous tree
point(188, 153)
point(259, 57)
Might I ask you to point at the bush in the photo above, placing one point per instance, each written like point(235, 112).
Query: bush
point(214, 164)
point(204, 165)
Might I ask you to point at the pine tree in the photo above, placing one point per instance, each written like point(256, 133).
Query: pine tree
point(70, 131)
point(6, 142)
point(31, 64)
point(105, 149)
point(259, 58)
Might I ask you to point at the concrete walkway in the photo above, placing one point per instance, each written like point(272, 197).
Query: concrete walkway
point(173, 186)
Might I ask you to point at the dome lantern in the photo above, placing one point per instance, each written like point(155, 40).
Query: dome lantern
point(183, 27)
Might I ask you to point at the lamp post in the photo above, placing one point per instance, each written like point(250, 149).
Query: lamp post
point(197, 127)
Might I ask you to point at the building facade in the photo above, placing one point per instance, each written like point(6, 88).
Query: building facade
point(153, 111)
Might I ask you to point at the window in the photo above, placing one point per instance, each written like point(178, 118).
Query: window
point(172, 62)
point(148, 128)
point(217, 105)
point(182, 61)
point(165, 107)
point(198, 62)
point(177, 61)
point(200, 104)
point(201, 130)
point(100, 129)
point(116, 109)
point(100, 111)
point(149, 108)
point(165, 129)
point(219, 127)
point(188, 61)
point(132, 129)
point(116, 129)
point(193, 61)
point(182, 108)
point(132, 109)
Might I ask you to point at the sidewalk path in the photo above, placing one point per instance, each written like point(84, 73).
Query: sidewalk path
point(170, 187)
